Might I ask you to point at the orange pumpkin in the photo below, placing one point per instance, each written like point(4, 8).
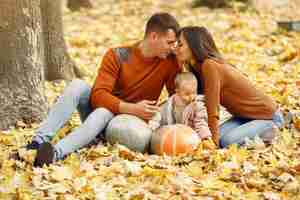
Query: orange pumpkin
point(174, 139)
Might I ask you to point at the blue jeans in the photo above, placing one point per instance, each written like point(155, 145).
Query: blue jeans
point(236, 129)
point(75, 96)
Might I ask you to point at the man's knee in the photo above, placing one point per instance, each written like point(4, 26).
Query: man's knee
point(130, 131)
point(78, 86)
point(103, 114)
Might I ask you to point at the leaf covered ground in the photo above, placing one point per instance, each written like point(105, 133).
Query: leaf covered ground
point(250, 40)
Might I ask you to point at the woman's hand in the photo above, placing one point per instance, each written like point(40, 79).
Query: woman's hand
point(208, 143)
point(216, 139)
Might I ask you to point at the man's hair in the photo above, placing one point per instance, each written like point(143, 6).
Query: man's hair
point(161, 23)
point(184, 76)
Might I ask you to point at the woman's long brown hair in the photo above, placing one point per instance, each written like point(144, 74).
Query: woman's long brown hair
point(203, 47)
point(201, 43)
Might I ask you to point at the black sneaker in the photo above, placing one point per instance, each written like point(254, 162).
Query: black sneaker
point(32, 145)
point(45, 155)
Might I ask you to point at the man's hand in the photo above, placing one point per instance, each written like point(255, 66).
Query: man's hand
point(144, 109)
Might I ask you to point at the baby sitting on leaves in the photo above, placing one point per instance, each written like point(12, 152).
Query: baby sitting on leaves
point(185, 107)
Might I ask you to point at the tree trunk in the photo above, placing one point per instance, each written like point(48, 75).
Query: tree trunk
point(215, 3)
point(75, 5)
point(58, 62)
point(21, 63)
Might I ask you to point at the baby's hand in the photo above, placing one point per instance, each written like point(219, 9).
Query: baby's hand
point(154, 123)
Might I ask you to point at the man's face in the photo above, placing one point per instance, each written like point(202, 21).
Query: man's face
point(163, 43)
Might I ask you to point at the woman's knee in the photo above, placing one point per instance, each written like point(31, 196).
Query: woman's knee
point(231, 138)
point(225, 142)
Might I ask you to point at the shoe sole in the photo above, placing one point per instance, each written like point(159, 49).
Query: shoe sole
point(44, 155)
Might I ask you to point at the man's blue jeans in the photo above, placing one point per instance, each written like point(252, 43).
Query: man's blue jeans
point(75, 96)
point(236, 129)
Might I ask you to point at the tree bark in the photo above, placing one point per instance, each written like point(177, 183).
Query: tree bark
point(58, 62)
point(21, 63)
point(75, 5)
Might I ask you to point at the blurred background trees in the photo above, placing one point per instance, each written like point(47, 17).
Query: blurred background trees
point(75, 5)
point(216, 3)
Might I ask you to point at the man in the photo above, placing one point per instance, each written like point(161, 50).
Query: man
point(130, 80)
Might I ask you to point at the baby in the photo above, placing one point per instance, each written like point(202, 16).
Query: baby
point(184, 107)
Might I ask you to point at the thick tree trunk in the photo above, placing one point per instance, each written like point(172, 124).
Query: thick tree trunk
point(75, 5)
point(210, 3)
point(21, 62)
point(58, 62)
point(215, 3)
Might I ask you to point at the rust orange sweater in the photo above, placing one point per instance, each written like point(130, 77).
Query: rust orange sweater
point(125, 75)
point(223, 84)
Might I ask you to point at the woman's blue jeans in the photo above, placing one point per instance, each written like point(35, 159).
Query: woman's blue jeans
point(237, 129)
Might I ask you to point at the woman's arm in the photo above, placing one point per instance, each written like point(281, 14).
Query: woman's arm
point(212, 89)
point(200, 120)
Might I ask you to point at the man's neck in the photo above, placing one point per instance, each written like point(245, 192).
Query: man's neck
point(145, 49)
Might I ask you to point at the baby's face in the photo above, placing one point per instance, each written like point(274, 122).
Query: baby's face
point(187, 91)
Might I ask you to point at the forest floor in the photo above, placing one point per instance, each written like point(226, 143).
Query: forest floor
point(249, 39)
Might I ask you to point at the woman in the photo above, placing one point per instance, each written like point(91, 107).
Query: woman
point(253, 112)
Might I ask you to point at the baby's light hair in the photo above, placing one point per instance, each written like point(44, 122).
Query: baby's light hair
point(184, 76)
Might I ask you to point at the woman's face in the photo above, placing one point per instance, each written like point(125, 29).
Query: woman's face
point(183, 51)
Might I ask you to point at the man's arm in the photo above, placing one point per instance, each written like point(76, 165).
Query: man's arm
point(101, 95)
